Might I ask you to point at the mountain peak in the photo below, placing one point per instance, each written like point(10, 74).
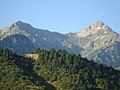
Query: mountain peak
point(96, 27)
point(19, 25)
point(19, 22)
point(98, 23)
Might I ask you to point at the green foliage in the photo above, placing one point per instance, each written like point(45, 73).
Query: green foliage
point(55, 70)
point(16, 73)
point(72, 72)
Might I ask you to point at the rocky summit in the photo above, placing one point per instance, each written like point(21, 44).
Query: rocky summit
point(100, 44)
point(97, 42)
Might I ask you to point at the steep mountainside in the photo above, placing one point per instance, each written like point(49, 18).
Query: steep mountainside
point(17, 43)
point(17, 73)
point(33, 38)
point(100, 43)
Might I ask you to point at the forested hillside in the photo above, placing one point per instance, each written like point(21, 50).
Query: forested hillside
point(54, 70)
point(16, 73)
point(70, 72)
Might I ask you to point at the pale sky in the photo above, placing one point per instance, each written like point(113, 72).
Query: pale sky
point(60, 15)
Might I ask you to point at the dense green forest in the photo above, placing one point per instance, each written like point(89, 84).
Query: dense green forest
point(16, 73)
point(54, 70)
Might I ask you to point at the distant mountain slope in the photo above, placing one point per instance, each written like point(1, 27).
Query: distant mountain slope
point(18, 43)
point(100, 43)
point(96, 42)
point(34, 38)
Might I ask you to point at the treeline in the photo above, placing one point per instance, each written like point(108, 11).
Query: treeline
point(54, 70)
point(16, 73)
point(67, 71)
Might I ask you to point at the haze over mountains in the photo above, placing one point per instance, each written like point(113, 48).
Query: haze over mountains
point(96, 42)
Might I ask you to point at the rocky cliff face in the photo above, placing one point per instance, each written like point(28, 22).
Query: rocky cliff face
point(35, 38)
point(17, 43)
point(100, 43)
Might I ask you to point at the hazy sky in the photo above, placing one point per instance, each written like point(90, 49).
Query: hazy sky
point(61, 15)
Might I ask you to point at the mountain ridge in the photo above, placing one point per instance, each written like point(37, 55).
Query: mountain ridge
point(92, 42)
point(39, 37)
point(94, 28)
point(95, 40)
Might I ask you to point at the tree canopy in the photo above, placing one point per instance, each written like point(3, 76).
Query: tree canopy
point(54, 70)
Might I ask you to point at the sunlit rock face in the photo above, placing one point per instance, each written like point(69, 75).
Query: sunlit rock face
point(36, 38)
point(99, 42)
